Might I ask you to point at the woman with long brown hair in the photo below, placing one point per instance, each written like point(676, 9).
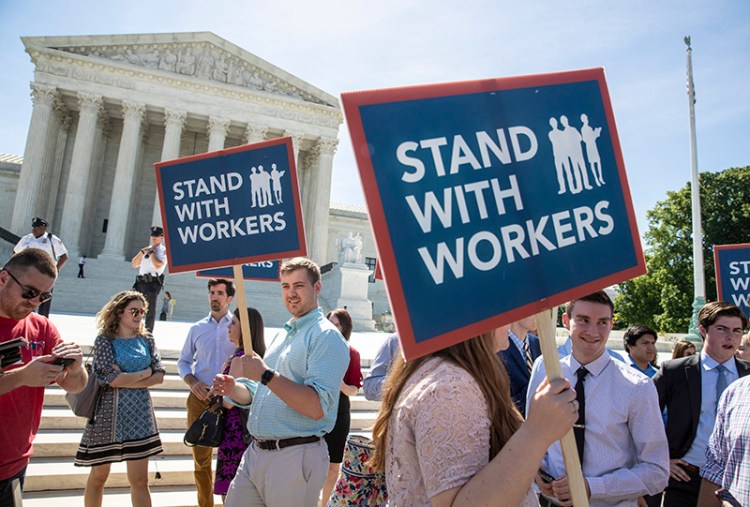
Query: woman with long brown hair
point(126, 363)
point(448, 432)
point(234, 439)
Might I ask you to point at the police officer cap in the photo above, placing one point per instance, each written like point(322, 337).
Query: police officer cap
point(157, 231)
point(38, 222)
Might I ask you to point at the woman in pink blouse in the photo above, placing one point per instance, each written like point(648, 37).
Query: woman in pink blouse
point(448, 432)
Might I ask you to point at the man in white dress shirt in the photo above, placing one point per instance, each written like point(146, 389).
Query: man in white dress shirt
point(624, 451)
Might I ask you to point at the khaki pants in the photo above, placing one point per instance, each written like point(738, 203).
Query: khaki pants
point(290, 477)
point(202, 456)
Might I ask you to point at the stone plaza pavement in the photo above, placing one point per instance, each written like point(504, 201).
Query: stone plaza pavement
point(170, 335)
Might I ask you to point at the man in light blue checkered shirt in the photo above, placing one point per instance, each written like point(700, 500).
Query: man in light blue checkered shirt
point(728, 452)
point(295, 403)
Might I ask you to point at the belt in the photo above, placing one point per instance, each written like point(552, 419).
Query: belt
point(149, 278)
point(273, 445)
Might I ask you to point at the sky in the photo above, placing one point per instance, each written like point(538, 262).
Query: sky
point(349, 45)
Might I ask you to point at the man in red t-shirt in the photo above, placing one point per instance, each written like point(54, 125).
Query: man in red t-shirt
point(25, 282)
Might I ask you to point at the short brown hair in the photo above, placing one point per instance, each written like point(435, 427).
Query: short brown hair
point(228, 285)
point(313, 271)
point(33, 258)
point(711, 312)
point(599, 297)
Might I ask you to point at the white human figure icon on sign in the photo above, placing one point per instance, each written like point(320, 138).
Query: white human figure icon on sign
point(276, 179)
point(562, 161)
point(254, 188)
point(590, 136)
point(264, 180)
point(572, 142)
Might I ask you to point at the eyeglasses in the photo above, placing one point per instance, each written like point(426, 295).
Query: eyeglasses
point(137, 311)
point(31, 292)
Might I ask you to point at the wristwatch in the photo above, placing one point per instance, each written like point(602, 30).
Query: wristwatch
point(267, 376)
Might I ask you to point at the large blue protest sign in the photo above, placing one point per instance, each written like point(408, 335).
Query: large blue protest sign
point(732, 264)
point(266, 271)
point(231, 207)
point(492, 200)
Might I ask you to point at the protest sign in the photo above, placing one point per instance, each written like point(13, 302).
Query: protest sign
point(231, 207)
point(732, 264)
point(492, 200)
point(266, 271)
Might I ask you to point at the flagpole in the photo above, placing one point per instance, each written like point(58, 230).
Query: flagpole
point(699, 282)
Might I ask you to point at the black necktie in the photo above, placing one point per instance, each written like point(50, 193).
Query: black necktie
point(580, 426)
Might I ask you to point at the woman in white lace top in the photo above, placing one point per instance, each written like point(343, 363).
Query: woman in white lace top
point(448, 433)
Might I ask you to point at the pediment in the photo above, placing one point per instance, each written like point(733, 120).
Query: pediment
point(190, 55)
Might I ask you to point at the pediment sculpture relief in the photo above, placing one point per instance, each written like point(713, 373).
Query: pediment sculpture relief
point(199, 60)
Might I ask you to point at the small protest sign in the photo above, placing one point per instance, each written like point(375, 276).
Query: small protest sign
point(266, 271)
point(732, 264)
point(231, 206)
point(492, 200)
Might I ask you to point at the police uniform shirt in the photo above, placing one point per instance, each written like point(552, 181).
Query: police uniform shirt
point(43, 242)
point(147, 267)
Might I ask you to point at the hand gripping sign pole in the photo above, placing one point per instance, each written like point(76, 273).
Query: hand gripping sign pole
point(239, 282)
point(545, 323)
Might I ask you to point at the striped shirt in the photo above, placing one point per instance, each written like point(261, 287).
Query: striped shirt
point(728, 451)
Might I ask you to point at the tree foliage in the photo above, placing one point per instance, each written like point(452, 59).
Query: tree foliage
point(663, 297)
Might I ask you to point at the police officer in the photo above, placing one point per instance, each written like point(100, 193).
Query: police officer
point(43, 240)
point(151, 262)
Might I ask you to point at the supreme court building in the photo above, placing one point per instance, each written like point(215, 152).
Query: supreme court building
point(106, 108)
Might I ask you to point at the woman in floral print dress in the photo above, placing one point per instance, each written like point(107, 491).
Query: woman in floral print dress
point(126, 363)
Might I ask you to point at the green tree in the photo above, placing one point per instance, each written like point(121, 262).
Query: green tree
point(663, 297)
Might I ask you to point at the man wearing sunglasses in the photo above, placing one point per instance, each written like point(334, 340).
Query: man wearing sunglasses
point(43, 240)
point(25, 282)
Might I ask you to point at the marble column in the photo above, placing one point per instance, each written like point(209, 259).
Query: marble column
point(80, 172)
point(27, 194)
point(174, 121)
point(122, 189)
point(255, 133)
point(321, 199)
point(57, 163)
point(301, 177)
point(217, 133)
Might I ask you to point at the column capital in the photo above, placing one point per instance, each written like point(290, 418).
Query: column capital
point(175, 117)
point(216, 123)
point(327, 146)
point(61, 110)
point(43, 95)
point(90, 103)
point(255, 132)
point(296, 135)
point(133, 111)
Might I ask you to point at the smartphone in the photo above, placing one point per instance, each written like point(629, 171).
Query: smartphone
point(63, 361)
point(545, 476)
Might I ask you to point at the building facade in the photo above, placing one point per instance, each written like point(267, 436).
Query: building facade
point(106, 108)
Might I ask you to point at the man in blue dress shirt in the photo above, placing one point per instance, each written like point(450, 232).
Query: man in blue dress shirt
point(206, 348)
point(295, 403)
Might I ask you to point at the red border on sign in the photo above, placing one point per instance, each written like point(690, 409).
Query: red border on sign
point(717, 266)
point(238, 260)
point(352, 101)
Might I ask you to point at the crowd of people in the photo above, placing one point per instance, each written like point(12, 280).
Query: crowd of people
point(476, 423)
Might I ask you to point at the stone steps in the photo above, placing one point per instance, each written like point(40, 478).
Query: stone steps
point(51, 473)
point(161, 496)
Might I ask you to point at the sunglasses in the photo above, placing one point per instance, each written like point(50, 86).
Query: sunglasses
point(137, 311)
point(31, 292)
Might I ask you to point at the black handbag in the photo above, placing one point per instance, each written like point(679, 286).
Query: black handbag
point(208, 429)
